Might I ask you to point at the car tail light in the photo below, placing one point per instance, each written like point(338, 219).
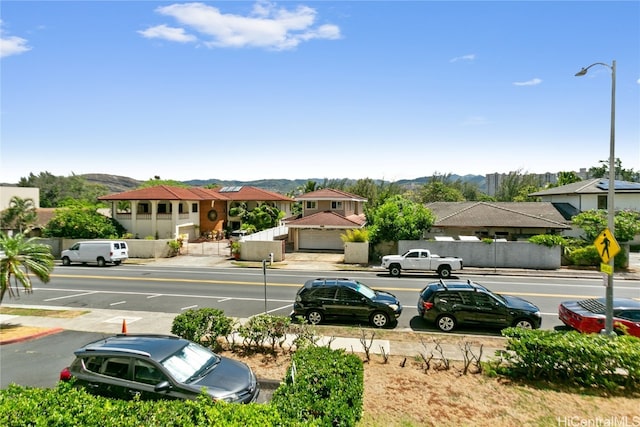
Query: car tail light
point(65, 375)
point(427, 305)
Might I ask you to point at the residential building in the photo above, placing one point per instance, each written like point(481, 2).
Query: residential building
point(326, 214)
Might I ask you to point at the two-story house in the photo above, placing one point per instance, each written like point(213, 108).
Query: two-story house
point(592, 194)
point(168, 212)
point(326, 214)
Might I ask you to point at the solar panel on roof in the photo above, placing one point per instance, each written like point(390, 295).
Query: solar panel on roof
point(231, 189)
point(619, 185)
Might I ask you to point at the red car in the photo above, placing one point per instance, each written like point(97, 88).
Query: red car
point(589, 315)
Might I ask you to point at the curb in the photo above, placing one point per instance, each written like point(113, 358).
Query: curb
point(32, 336)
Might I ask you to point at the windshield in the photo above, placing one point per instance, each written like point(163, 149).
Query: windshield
point(365, 290)
point(190, 361)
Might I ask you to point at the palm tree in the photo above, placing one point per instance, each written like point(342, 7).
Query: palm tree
point(20, 214)
point(19, 258)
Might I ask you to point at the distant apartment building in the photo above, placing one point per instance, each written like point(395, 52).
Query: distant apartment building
point(494, 180)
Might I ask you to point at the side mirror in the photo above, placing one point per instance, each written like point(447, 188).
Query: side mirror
point(162, 386)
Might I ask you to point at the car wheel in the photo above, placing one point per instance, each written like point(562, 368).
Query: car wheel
point(315, 317)
point(446, 323)
point(66, 261)
point(523, 323)
point(101, 262)
point(117, 262)
point(379, 319)
point(394, 270)
point(444, 271)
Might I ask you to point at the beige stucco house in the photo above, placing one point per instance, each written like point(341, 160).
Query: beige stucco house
point(169, 212)
point(326, 214)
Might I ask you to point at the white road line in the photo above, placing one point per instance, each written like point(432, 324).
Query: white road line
point(271, 311)
point(117, 303)
point(69, 296)
point(225, 299)
point(154, 296)
point(188, 308)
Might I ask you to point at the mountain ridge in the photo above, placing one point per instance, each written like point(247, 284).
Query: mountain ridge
point(119, 184)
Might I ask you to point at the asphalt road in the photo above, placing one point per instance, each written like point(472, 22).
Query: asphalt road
point(243, 293)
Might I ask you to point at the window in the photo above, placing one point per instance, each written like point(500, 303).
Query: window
point(144, 208)
point(336, 205)
point(194, 207)
point(162, 208)
point(602, 202)
point(117, 367)
point(483, 300)
point(311, 204)
point(144, 372)
point(413, 255)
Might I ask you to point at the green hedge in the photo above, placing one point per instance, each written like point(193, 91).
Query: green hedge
point(586, 360)
point(69, 406)
point(322, 387)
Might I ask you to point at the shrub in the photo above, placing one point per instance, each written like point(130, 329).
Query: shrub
point(549, 240)
point(322, 387)
point(265, 329)
point(204, 325)
point(585, 360)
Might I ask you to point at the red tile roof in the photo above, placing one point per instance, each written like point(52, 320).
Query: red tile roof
point(251, 193)
point(328, 219)
point(165, 192)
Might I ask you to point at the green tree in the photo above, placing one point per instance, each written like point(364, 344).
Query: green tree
point(20, 214)
point(568, 177)
point(516, 186)
point(81, 220)
point(602, 171)
point(398, 218)
point(439, 191)
point(260, 218)
point(155, 181)
point(22, 258)
point(55, 190)
point(592, 222)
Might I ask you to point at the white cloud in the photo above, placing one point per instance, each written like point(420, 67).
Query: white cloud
point(532, 82)
point(638, 81)
point(168, 33)
point(12, 45)
point(267, 26)
point(470, 57)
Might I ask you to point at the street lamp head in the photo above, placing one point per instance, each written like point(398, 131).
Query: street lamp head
point(581, 72)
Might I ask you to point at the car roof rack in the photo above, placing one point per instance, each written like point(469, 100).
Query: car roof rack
point(444, 285)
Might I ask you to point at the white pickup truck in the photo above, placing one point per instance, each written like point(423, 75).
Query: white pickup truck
point(421, 259)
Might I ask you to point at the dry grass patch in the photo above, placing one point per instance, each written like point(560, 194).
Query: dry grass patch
point(40, 312)
point(402, 393)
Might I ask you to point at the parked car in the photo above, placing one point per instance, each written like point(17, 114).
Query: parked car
point(589, 315)
point(458, 303)
point(100, 252)
point(155, 367)
point(321, 299)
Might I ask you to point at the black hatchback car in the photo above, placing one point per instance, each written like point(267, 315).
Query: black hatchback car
point(321, 299)
point(455, 303)
point(155, 367)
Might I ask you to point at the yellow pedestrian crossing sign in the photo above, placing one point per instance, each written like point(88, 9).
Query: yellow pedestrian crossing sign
point(607, 245)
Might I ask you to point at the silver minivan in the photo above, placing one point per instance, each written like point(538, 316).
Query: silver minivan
point(94, 251)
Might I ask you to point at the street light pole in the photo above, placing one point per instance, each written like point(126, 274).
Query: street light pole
point(608, 325)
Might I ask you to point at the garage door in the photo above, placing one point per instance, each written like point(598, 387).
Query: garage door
point(321, 239)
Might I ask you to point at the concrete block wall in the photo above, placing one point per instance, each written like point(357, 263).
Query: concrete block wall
point(494, 254)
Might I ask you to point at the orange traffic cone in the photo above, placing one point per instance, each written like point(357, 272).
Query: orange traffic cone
point(124, 326)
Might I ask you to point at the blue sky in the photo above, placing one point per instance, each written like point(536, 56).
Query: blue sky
point(315, 89)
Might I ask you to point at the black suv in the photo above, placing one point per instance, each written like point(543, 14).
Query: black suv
point(320, 299)
point(453, 303)
point(159, 367)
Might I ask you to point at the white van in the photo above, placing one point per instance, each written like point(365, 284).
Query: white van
point(100, 252)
